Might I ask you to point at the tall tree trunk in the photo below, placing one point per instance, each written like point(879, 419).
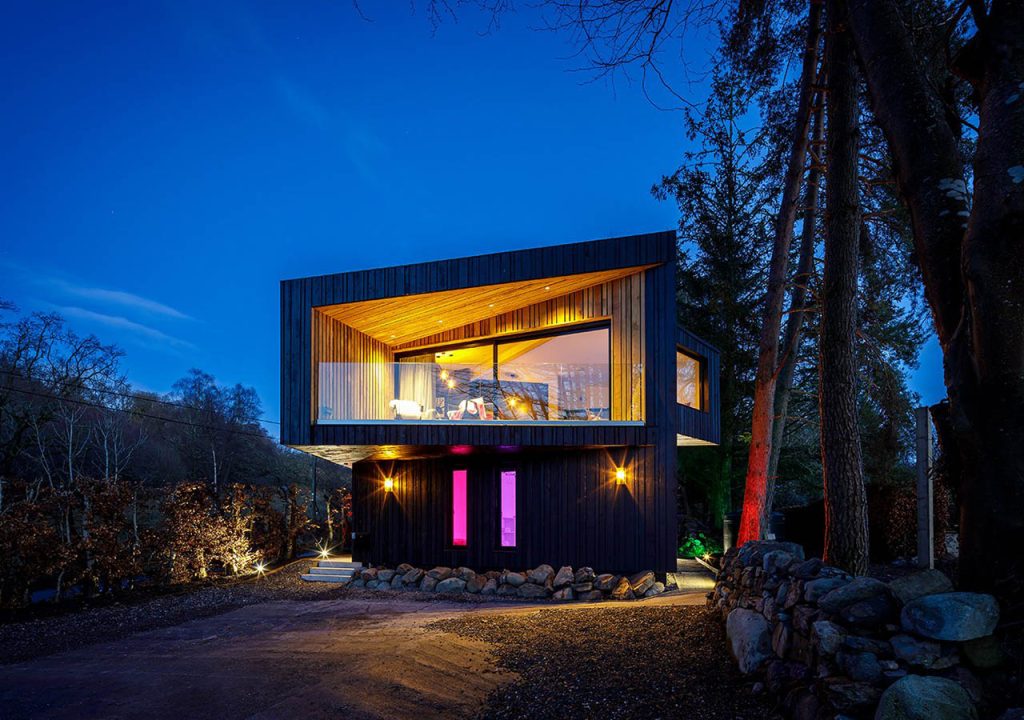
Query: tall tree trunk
point(987, 393)
point(755, 509)
point(799, 305)
point(846, 520)
point(973, 272)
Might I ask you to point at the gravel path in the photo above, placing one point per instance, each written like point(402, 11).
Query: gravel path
point(650, 662)
point(52, 632)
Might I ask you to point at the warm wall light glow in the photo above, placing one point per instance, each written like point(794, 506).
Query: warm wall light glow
point(620, 475)
point(389, 484)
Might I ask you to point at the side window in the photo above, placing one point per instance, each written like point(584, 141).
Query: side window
point(507, 514)
point(459, 508)
point(689, 380)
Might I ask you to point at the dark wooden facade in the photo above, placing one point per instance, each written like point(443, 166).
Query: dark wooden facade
point(571, 509)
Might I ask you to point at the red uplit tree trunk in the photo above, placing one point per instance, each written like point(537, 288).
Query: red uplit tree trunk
point(754, 519)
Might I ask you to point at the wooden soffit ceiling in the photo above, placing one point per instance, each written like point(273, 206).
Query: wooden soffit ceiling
point(403, 319)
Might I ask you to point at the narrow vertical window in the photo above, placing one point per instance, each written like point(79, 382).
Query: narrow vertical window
point(459, 510)
point(508, 508)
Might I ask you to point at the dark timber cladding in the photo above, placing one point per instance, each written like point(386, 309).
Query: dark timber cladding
point(570, 508)
point(702, 424)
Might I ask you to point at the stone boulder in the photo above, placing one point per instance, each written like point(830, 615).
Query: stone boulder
point(506, 590)
point(412, 576)
point(532, 591)
point(862, 666)
point(440, 573)
point(476, 583)
point(777, 562)
point(925, 582)
point(564, 593)
point(514, 579)
point(451, 585)
point(955, 616)
point(828, 635)
point(583, 587)
point(563, 577)
point(368, 574)
point(622, 591)
point(606, 581)
point(403, 568)
point(490, 587)
point(870, 612)
point(372, 584)
point(814, 590)
point(806, 570)
point(385, 575)
point(396, 582)
point(925, 698)
point(584, 575)
point(541, 574)
point(464, 573)
point(590, 596)
point(428, 584)
point(641, 582)
point(749, 639)
point(916, 652)
point(656, 589)
point(858, 589)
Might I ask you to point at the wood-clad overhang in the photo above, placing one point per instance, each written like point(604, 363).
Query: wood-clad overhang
point(531, 270)
point(404, 319)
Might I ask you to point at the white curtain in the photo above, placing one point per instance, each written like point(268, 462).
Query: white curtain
point(416, 380)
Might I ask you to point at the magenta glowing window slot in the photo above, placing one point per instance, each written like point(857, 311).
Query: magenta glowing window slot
point(508, 508)
point(459, 510)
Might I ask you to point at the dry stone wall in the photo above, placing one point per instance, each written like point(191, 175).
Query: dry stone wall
point(834, 646)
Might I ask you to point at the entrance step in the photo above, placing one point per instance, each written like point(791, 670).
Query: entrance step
point(332, 571)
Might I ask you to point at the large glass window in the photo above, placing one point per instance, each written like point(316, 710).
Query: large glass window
point(689, 388)
point(508, 508)
point(562, 376)
point(459, 508)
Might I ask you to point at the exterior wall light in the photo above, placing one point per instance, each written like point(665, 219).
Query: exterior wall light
point(389, 484)
point(620, 476)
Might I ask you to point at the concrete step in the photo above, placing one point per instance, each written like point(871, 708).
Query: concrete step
point(347, 572)
point(339, 564)
point(340, 579)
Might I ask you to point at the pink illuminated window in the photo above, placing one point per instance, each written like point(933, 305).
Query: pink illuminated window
point(508, 508)
point(459, 511)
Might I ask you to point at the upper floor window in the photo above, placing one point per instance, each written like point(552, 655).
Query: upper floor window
point(552, 376)
point(689, 380)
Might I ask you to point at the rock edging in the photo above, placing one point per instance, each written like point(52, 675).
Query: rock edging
point(541, 582)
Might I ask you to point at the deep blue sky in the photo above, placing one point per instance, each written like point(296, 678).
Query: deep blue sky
point(165, 164)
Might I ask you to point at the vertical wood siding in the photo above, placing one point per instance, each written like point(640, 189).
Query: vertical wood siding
point(350, 372)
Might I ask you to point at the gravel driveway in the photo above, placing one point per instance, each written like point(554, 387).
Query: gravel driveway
point(327, 652)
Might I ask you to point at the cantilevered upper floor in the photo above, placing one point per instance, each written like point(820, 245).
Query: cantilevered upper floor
point(572, 345)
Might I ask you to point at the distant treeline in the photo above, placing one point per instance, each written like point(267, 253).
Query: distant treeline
point(103, 486)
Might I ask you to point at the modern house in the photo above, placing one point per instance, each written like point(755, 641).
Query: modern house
point(503, 410)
